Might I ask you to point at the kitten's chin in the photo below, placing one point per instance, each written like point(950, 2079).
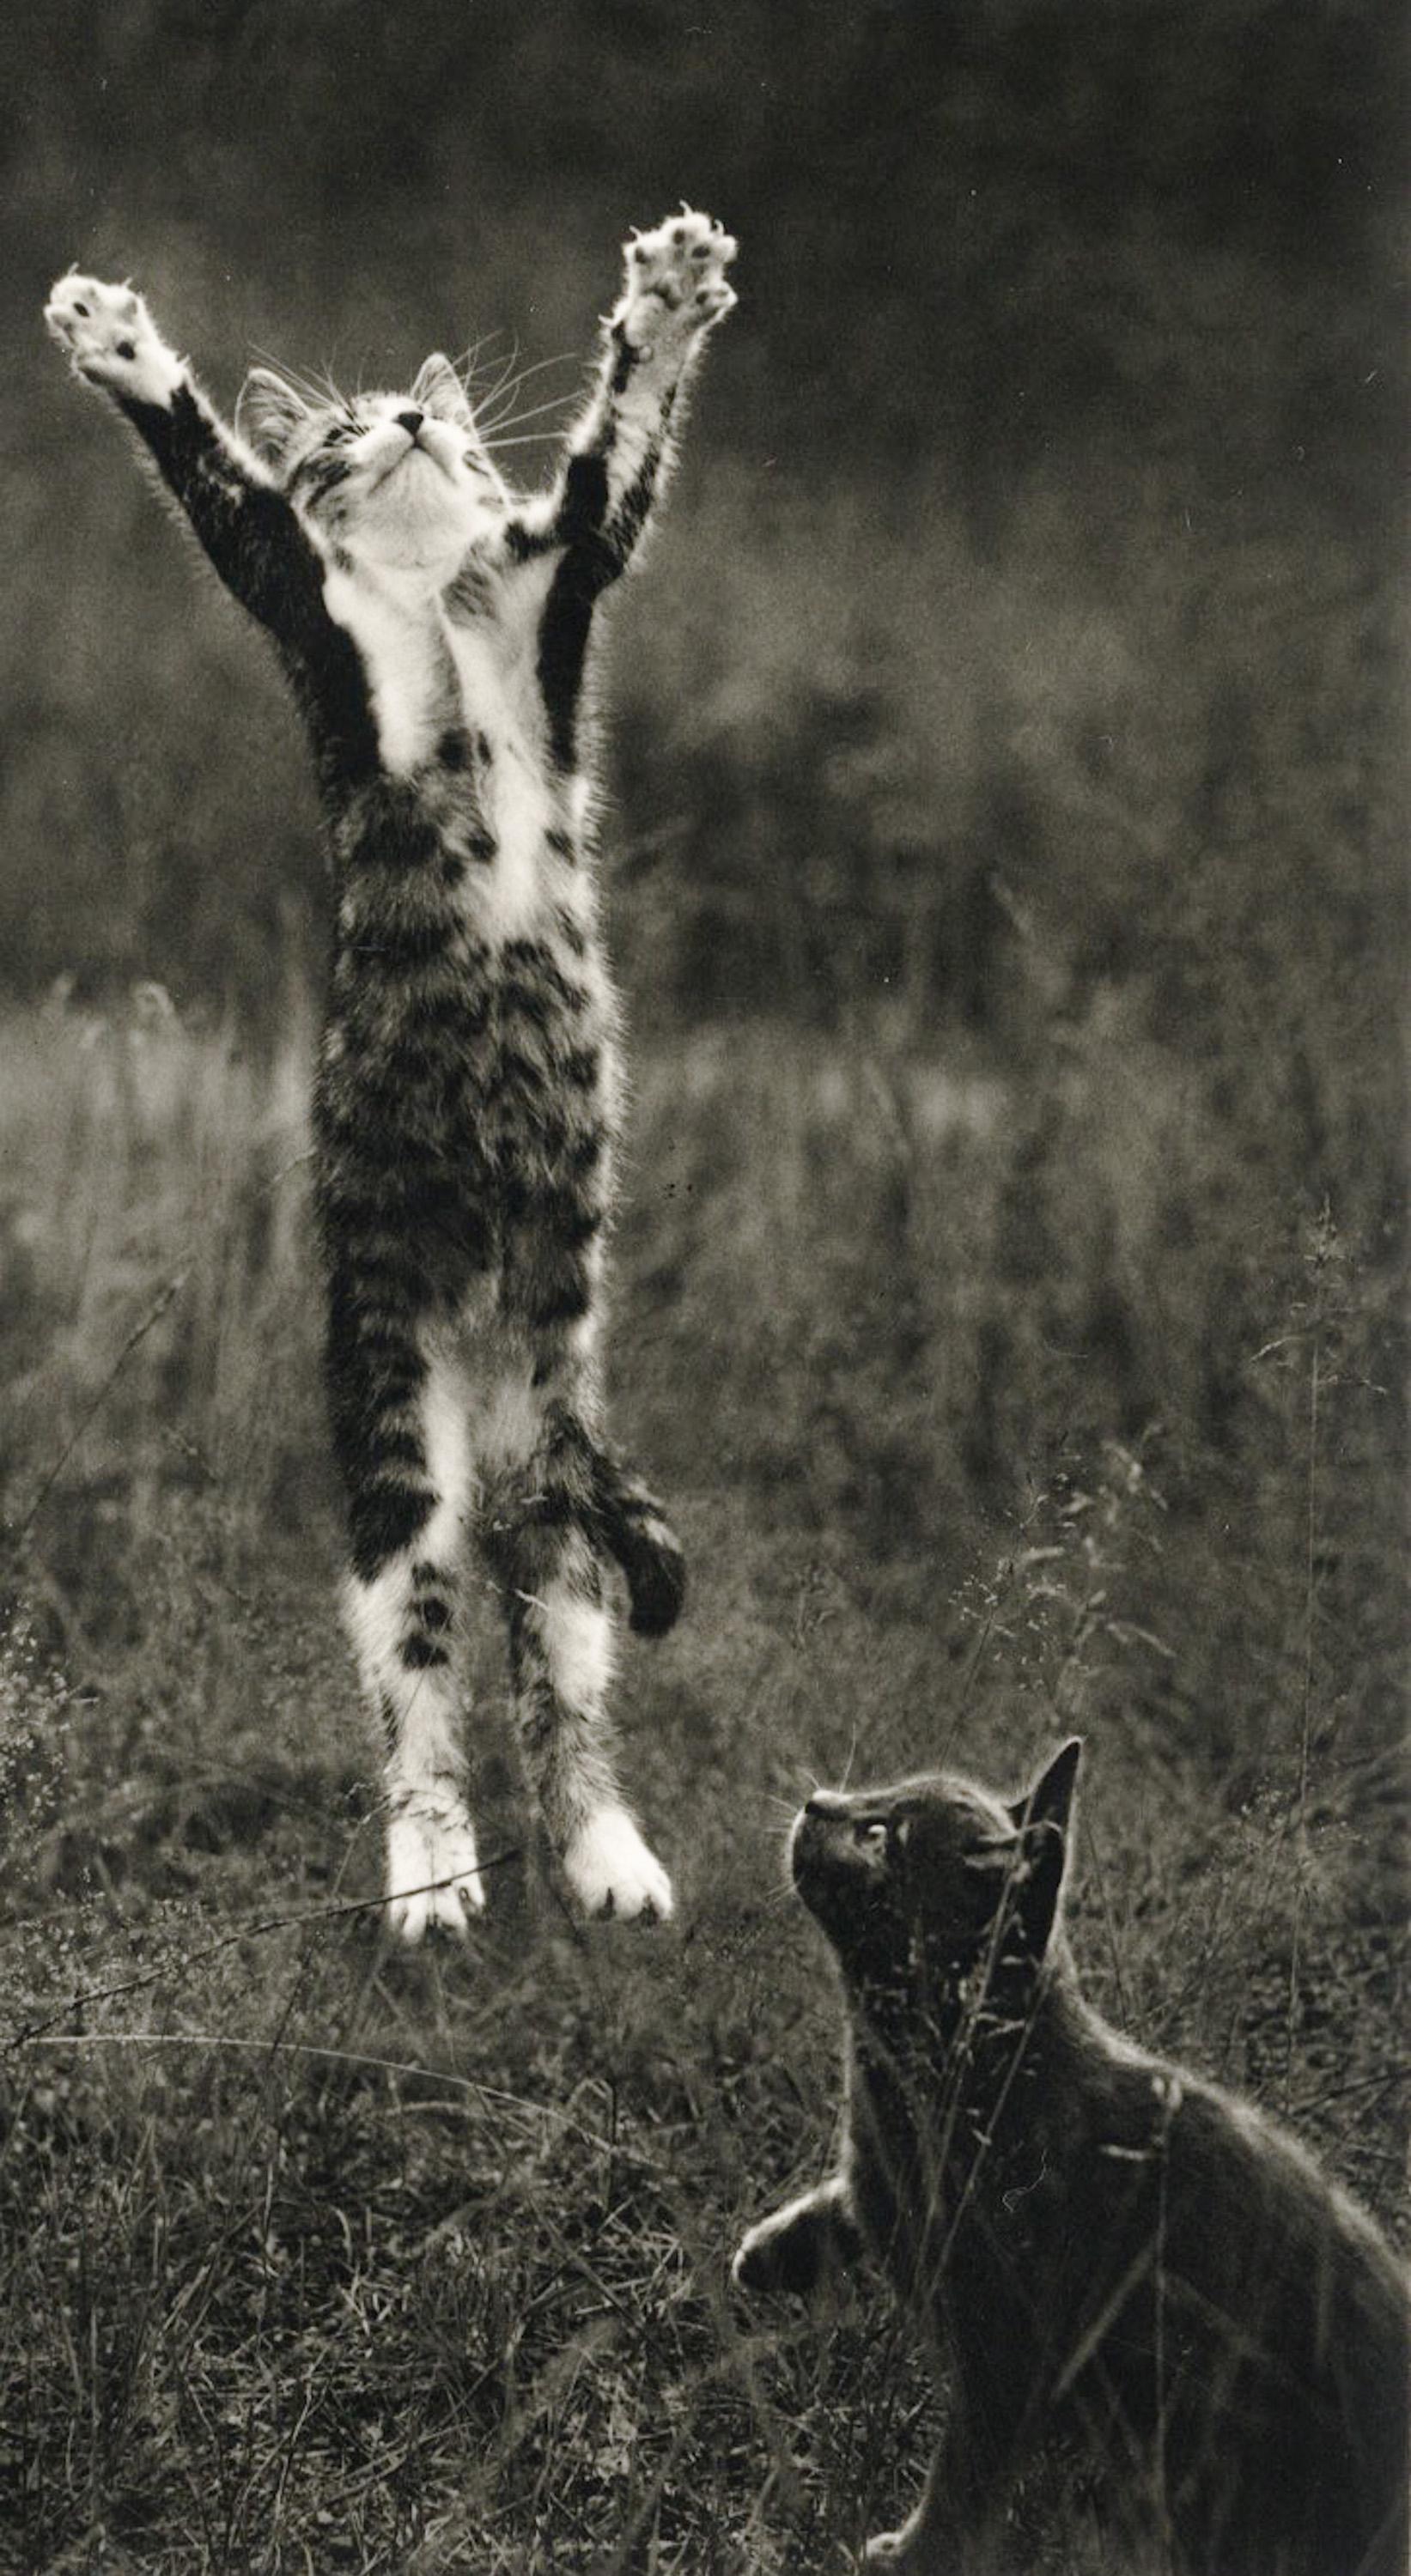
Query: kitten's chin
point(425, 544)
point(417, 522)
point(821, 1876)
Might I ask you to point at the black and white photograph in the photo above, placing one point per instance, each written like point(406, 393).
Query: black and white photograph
point(704, 1790)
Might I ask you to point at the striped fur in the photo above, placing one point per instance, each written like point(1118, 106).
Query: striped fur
point(434, 629)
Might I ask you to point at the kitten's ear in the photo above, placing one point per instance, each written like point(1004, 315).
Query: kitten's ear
point(1048, 1800)
point(439, 390)
point(269, 413)
point(1043, 1817)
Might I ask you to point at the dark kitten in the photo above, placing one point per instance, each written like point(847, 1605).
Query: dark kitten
point(1136, 2286)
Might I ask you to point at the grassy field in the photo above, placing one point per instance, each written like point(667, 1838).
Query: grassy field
point(990, 1408)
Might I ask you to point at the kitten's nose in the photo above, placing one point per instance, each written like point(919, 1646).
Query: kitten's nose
point(410, 421)
point(827, 1802)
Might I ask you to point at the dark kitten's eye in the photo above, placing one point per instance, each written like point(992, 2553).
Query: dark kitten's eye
point(874, 1835)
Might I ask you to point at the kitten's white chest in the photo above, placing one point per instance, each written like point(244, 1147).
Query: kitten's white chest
point(502, 712)
point(427, 674)
point(402, 657)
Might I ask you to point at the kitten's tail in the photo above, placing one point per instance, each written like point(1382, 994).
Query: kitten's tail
point(633, 1526)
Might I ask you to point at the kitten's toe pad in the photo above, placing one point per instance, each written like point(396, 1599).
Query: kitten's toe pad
point(612, 1872)
point(676, 280)
point(109, 337)
point(433, 1873)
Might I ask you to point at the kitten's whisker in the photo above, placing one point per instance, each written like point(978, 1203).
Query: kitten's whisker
point(508, 385)
point(516, 420)
point(505, 373)
point(531, 438)
point(536, 366)
point(309, 390)
point(467, 362)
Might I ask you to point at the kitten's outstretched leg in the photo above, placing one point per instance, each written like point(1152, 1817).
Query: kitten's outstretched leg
point(408, 1467)
point(536, 1535)
point(802, 2246)
point(674, 293)
point(246, 526)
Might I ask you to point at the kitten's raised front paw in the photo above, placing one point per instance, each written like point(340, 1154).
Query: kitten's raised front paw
point(891, 2549)
point(675, 282)
point(433, 1870)
point(804, 2248)
point(611, 1871)
point(756, 2266)
point(110, 339)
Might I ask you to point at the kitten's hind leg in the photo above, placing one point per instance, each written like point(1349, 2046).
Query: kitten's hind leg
point(536, 1537)
point(410, 1492)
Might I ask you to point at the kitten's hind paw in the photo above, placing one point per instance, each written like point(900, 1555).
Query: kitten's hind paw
point(109, 338)
point(433, 1872)
point(675, 282)
point(611, 1871)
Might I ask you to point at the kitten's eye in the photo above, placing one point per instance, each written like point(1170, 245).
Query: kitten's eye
point(873, 1836)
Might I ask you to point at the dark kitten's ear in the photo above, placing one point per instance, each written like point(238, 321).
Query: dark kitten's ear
point(269, 413)
point(439, 390)
point(1048, 1800)
point(1043, 1817)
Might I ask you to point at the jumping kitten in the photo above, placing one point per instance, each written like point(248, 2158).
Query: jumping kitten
point(434, 627)
point(1134, 2285)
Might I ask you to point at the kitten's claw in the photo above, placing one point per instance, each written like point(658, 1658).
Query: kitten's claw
point(433, 1872)
point(676, 281)
point(110, 339)
point(613, 1874)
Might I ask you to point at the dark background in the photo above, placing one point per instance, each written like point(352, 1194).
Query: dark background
point(1004, 850)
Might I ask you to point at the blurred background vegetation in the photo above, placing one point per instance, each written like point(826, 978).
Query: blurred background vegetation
point(1004, 844)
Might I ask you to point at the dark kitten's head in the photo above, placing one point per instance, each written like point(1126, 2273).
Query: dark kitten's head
point(399, 482)
point(936, 1877)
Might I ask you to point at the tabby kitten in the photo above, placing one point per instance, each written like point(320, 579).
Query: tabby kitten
point(1147, 2304)
point(434, 626)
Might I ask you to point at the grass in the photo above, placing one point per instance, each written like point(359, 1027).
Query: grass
point(315, 2255)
